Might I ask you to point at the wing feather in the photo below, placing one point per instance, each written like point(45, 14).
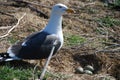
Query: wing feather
point(37, 46)
point(15, 48)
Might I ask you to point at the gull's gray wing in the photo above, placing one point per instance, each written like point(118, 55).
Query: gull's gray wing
point(37, 46)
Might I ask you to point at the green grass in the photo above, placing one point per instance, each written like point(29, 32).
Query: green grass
point(74, 40)
point(24, 72)
point(100, 31)
point(114, 4)
point(18, 70)
point(12, 40)
point(109, 21)
point(117, 3)
point(10, 73)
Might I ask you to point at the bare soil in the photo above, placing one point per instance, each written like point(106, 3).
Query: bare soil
point(82, 23)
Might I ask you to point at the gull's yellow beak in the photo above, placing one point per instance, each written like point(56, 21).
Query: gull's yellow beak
point(70, 10)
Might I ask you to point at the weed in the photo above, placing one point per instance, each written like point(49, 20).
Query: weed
point(12, 40)
point(100, 31)
point(112, 3)
point(10, 73)
point(108, 21)
point(31, 30)
point(117, 3)
point(74, 40)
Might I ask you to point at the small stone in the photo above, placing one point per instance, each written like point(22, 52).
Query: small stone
point(80, 69)
point(88, 72)
point(89, 67)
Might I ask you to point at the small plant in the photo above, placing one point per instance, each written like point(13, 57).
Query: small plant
point(108, 21)
point(12, 40)
point(117, 3)
point(74, 40)
point(100, 31)
point(10, 73)
point(113, 3)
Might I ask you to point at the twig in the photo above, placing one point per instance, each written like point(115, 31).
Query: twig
point(112, 45)
point(25, 3)
point(114, 51)
point(109, 67)
point(88, 4)
point(5, 4)
point(34, 70)
point(6, 14)
point(5, 27)
point(13, 27)
point(46, 64)
point(40, 13)
point(31, 3)
point(83, 5)
point(108, 51)
point(60, 75)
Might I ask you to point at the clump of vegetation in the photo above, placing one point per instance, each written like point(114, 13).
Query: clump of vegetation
point(117, 3)
point(74, 40)
point(12, 40)
point(10, 73)
point(114, 4)
point(109, 21)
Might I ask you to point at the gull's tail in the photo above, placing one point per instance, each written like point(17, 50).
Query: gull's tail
point(4, 57)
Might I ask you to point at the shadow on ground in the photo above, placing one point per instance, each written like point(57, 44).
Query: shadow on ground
point(18, 64)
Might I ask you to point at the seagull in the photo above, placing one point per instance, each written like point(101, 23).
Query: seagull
point(39, 44)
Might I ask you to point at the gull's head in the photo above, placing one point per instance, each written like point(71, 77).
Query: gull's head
point(61, 9)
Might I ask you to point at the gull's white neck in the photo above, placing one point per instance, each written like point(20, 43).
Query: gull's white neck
point(54, 25)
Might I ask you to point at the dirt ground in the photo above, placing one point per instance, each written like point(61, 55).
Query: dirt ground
point(103, 56)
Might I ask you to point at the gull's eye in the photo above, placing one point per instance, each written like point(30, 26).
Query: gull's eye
point(60, 6)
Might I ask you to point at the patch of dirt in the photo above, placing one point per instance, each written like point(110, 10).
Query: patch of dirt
point(82, 23)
